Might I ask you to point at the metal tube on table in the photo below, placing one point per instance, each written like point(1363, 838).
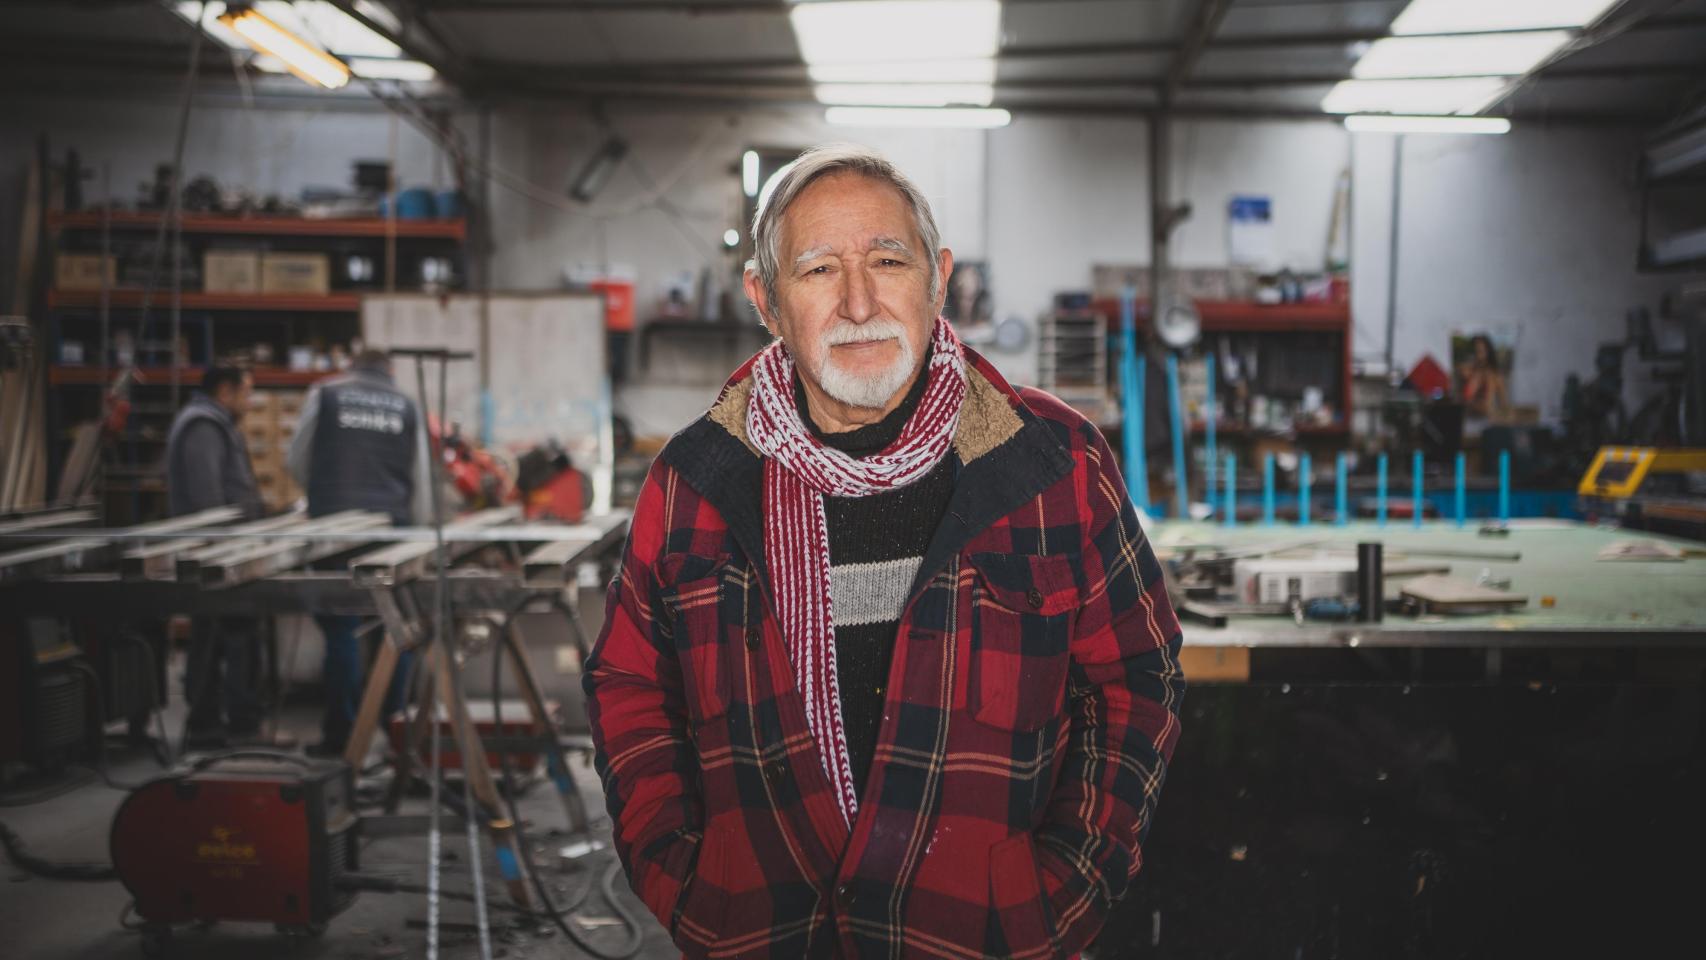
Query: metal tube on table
point(1371, 589)
point(1416, 487)
point(1341, 497)
point(1460, 497)
point(1209, 416)
point(1268, 490)
point(1380, 491)
point(1176, 411)
point(1504, 487)
point(1303, 484)
point(1230, 504)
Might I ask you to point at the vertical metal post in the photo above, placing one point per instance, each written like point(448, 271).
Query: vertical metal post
point(1209, 416)
point(1504, 488)
point(1230, 504)
point(1392, 250)
point(1460, 497)
point(1341, 497)
point(1380, 491)
point(1175, 410)
point(1303, 483)
point(1268, 490)
point(1416, 487)
point(1131, 402)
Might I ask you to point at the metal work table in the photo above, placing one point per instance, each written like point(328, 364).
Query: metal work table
point(1598, 603)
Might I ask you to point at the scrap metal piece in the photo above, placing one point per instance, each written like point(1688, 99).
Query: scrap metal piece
point(84, 552)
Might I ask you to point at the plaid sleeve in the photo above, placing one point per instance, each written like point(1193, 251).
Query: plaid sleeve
point(638, 715)
point(1125, 689)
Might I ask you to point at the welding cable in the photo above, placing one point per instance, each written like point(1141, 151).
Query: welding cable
point(510, 791)
point(85, 872)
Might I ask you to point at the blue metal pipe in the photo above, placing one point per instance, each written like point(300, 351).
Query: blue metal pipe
point(1303, 482)
point(1176, 411)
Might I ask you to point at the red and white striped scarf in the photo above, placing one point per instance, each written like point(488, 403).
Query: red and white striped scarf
point(798, 472)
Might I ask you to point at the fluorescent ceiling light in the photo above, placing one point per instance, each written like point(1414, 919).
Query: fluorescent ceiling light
point(917, 71)
point(916, 117)
point(1392, 124)
point(906, 94)
point(1464, 16)
point(379, 13)
point(871, 31)
point(331, 28)
point(1445, 96)
point(1502, 54)
point(749, 173)
point(379, 68)
point(305, 60)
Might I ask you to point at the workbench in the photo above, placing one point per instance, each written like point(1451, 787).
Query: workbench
point(1597, 603)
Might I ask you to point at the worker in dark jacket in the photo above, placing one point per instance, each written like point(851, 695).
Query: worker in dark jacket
point(360, 444)
point(207, 465)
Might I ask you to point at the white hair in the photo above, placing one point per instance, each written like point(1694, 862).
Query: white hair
point(781, 192)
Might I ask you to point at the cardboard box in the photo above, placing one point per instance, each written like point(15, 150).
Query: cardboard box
point(309, 273)
point(231, 271)
point(82, 271)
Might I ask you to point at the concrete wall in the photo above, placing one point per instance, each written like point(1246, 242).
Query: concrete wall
point(1533, 232)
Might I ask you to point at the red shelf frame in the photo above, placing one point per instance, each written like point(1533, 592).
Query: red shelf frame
point(454, 229)
point(62, 375)
point(125, 297)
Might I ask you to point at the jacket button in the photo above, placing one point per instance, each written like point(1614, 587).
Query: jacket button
point(775, 771)
point(754, 638)
point(1034, 597)
point(844, 893)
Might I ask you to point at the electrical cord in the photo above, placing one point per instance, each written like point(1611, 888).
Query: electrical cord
point(510, 790)
point(80, 871)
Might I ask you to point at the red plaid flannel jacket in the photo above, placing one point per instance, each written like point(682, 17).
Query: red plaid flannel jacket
point(1031, 710)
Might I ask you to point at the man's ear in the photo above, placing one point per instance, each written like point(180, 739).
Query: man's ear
point(760, 298)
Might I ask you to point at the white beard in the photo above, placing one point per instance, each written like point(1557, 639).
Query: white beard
point(871, 390)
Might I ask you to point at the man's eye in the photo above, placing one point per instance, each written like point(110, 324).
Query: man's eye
point(818, 269)
point(889, 262)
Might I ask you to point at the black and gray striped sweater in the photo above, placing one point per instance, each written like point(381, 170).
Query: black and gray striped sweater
point(875, 546)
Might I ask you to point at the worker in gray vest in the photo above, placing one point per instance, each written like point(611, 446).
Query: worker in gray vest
point(360, 444)
point(207, 465)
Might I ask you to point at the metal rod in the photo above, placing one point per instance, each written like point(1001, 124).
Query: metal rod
point(1230, 506)
point(1303, 484)
point(1392, 252)
point(1416, 488)
point(1341, 499)
point(1380, 492)
point(1175, 410)
point(1460, 497)
point(1131, 386)
point(1268, 490)
point(1210, 461)
point(1371, 583)
point(1504, 488)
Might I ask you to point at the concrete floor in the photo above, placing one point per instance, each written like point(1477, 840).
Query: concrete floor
point(50, 920)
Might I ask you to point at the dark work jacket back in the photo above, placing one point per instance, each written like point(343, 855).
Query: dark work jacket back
point(207, 461)
point(363, 447)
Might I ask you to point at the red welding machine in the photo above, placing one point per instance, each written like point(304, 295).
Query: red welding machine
point(247, 835)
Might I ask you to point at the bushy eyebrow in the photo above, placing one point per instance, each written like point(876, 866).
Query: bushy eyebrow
point(879, 243)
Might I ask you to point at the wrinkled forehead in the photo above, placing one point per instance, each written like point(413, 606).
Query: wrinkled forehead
point(846, 212)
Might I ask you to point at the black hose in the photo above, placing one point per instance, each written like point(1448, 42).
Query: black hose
point(85, 872)
point(636, 936)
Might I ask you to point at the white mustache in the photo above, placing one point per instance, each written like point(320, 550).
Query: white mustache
point(868, 332)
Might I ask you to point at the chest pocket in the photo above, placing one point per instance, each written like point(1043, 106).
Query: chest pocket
point(701, 609)
point(1022, 609)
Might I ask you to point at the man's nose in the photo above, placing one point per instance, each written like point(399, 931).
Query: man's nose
point(858, 294)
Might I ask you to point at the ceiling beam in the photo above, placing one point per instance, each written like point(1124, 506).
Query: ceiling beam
point(1626, 16)
point(414, 40)
point(1205, 23)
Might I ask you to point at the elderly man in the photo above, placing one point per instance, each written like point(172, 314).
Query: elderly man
point(888, 669)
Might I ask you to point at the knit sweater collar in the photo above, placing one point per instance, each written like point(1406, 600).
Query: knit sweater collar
point(871, 438)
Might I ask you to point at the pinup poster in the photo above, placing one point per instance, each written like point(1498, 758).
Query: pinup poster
point(1481, 371)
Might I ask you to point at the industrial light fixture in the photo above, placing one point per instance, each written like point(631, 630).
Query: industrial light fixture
point(596, 173)
point(1452, 95)
point(1399, 124)
point(378, 68)
point(749, 173)
point(308, 62)
point(944, 57)
point(906, 94)
point(1470, 16)
point(1477, 55)
point(917, 117)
